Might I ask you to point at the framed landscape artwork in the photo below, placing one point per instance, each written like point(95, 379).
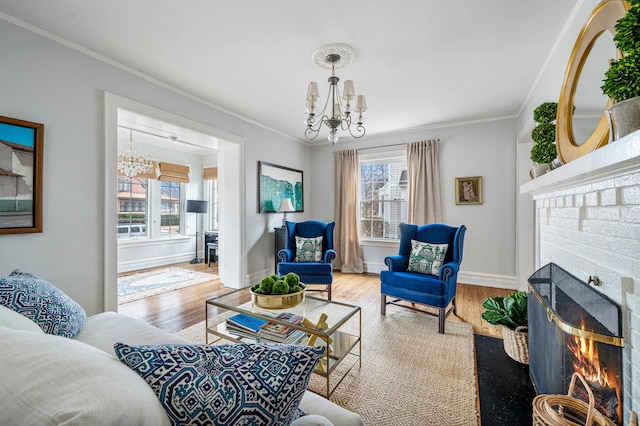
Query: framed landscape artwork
point(20, 176)
point(469, 190)
point(276, 183)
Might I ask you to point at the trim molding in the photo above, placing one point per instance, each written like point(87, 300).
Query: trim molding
point(509, 282)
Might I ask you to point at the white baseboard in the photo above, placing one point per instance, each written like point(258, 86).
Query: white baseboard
point(155, 262)
point(374, 267)
point(508, 282)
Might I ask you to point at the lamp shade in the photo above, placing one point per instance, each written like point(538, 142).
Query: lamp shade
point(312, 92)
point(349, 91)
point(361, 106)
point(286, 206)
point(196, 206)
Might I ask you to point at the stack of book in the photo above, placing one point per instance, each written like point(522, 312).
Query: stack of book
point(245, 325)
point(280, 333)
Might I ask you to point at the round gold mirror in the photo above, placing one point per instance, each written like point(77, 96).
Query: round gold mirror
point(603, 18)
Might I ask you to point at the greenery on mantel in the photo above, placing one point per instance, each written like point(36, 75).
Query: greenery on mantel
point(622, 79)
point(544, 134)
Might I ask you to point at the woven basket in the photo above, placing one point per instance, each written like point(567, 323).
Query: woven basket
point(565, 410)
point(516, 343)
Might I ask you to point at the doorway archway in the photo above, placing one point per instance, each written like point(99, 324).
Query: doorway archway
point(231, 175)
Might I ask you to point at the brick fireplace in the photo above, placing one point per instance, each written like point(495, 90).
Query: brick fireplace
point(587, 221)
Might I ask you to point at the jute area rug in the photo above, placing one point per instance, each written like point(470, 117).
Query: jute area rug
point(137, 286)
point(410, 374)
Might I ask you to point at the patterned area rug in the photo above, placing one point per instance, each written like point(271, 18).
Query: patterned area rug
point(145, 284)
point(410, 374)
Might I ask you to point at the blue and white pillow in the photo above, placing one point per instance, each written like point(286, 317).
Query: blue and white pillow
point(43, 303)
point(235, 384)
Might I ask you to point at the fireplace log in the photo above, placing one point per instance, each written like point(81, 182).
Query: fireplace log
point(606, 399)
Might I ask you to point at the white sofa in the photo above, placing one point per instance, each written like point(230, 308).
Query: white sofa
point(51, 380)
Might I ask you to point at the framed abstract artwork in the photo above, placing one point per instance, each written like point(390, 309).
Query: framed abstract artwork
point(21, 160)
point(276, 183)
point(469, 190)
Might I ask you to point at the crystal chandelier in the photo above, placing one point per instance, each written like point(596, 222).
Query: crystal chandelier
point(337, 111)
point(131, 164)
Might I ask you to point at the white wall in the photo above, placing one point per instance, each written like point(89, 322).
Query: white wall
point(46, 82)
point(482, 149)
point(546, 89)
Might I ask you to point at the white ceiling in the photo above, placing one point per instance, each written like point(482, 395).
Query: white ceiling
point(419, 62)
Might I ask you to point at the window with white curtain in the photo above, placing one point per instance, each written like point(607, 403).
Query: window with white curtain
point(383, 193)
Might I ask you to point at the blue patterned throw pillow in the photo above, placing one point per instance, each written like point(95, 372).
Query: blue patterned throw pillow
point(235, 384)
point(43, 303)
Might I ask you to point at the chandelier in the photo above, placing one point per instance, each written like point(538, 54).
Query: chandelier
point(131, 164)
point(337, 112)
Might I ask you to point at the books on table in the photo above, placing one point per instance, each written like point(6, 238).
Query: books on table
point(244, 325)
point(281, 333)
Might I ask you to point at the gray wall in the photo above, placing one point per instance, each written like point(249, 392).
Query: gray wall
point(481, 149)
point(46, 82)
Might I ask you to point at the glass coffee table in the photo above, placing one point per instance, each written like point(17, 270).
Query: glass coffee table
point(335, 325)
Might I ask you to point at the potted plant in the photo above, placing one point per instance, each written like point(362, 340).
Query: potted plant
point(622, 80)
point(511, 313)
point(544, 152)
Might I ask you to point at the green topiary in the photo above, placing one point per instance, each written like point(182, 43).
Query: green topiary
point(544, 133)
point(546, 113)
point(622, 79)
point(543, 152)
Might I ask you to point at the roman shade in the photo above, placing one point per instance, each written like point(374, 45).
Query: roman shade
point(210, 173)
point(174, 173)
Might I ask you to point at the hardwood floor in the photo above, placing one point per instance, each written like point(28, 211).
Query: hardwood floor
point(179, 309)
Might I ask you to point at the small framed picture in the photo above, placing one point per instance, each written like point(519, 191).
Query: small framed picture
point(469, 190)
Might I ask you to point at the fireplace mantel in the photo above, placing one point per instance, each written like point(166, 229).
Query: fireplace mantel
point(613, 159)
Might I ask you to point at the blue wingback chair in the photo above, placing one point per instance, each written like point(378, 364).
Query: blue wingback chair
point(437, 291)
point(309, 272)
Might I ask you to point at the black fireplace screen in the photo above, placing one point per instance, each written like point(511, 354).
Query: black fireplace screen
point(574, 328)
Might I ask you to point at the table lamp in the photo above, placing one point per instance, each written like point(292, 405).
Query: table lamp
point(285, 206)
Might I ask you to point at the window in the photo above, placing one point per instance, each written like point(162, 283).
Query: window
point(132, 207)
point(169, 208)
point(383, 195)
point(213, 204)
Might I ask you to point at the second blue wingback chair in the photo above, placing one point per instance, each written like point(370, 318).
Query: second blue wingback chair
point(437, 291)
point(310, 272)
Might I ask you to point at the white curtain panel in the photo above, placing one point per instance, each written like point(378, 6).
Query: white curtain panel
point(347, 243)
point(424, 183)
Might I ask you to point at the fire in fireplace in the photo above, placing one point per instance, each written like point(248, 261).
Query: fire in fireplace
point(597, 364)
point(574, 328)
